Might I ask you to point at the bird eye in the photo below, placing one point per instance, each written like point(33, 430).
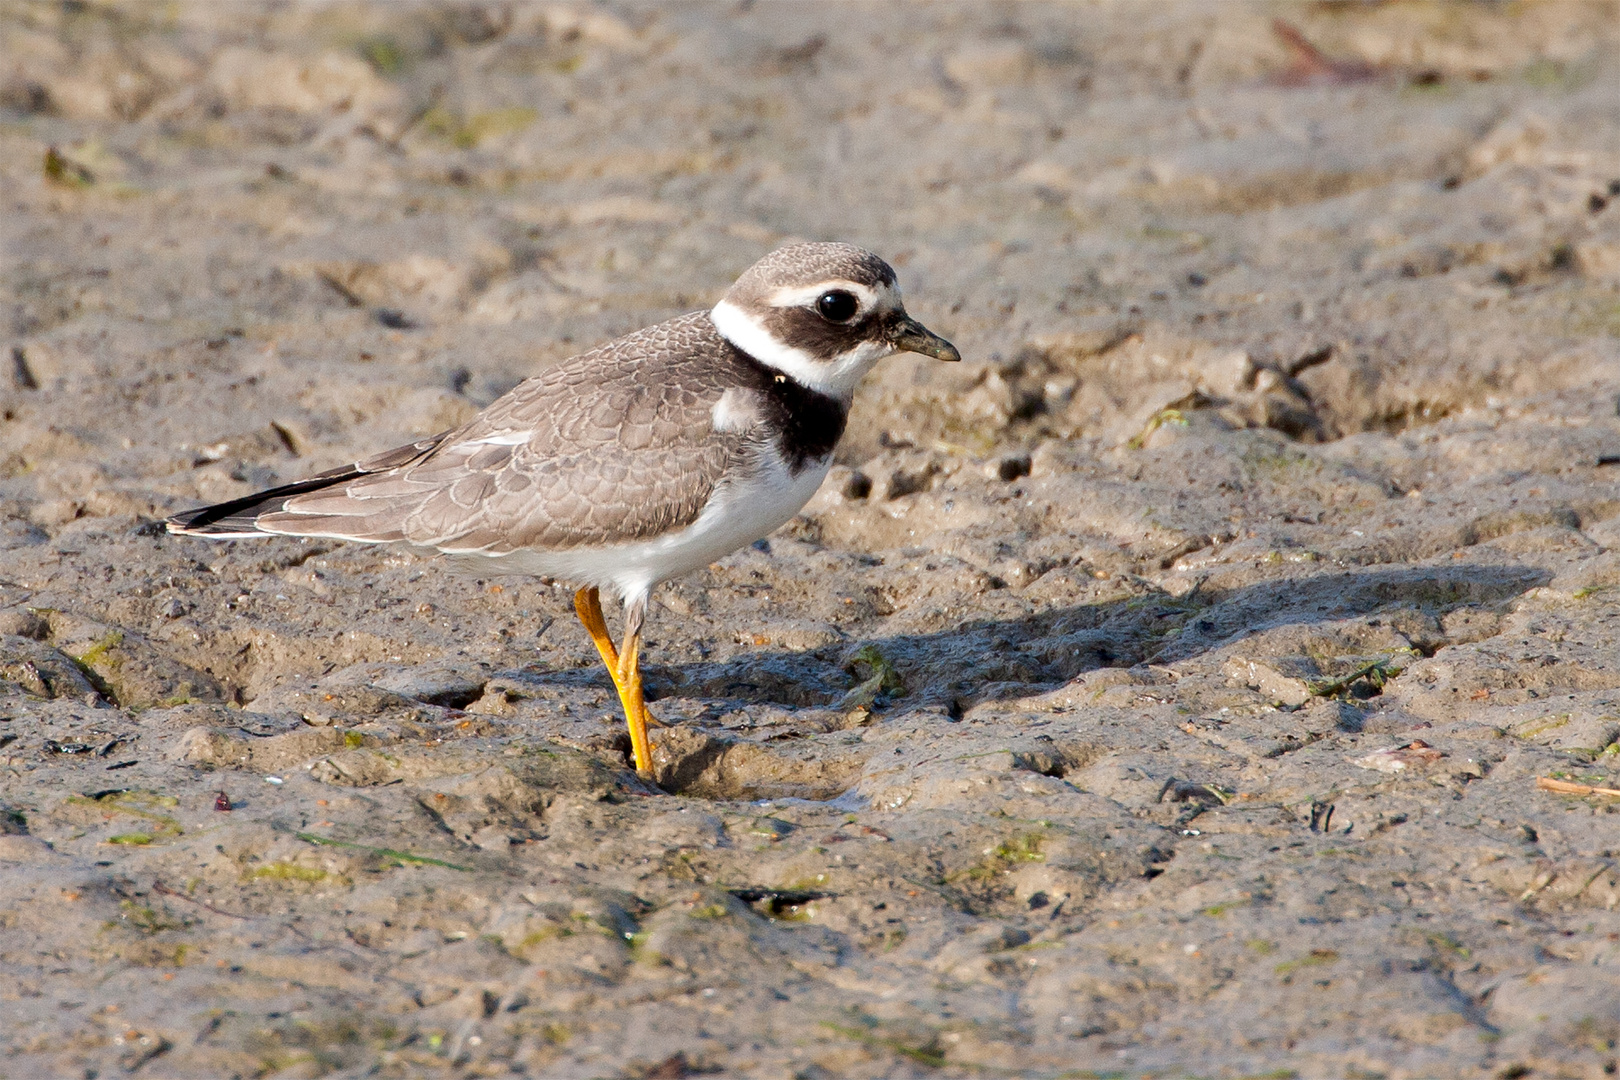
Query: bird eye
point(837, 305)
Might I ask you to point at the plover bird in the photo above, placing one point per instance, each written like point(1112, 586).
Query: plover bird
point(639, 461)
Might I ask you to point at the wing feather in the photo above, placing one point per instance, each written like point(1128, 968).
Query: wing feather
point(614, 445)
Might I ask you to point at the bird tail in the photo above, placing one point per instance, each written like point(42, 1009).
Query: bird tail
point(239, 518)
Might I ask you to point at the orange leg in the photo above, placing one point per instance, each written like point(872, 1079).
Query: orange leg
point(629, 680)
point(624, 669)
point(588, 606)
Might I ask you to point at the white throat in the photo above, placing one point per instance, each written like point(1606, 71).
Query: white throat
point(836, 378)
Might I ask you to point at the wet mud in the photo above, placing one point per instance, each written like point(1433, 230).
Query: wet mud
point(1215, 674)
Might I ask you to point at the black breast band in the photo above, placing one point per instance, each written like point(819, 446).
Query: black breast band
point(808, 423)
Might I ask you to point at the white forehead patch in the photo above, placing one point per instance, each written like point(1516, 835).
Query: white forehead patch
point(882, 298)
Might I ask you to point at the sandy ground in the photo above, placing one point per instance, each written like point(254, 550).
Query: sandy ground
point(1163, 691)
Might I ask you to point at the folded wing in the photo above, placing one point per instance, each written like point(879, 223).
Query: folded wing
point(609, 447)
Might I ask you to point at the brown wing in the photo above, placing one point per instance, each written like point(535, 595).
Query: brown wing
point(613, 445)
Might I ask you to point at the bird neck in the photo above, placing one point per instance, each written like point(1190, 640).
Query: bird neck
point(808, 423)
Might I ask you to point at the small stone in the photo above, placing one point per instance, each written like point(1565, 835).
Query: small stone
point(492, 839)
point(1011, 468)
point(20, 622)
point(990, 64)
point(1267, 679)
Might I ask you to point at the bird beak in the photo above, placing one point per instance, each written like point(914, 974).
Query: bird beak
point(909, 335)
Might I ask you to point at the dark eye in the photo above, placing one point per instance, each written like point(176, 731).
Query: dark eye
point(837, 305)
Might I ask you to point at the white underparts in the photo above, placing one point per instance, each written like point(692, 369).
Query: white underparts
point(748, 505)
point(836, 378)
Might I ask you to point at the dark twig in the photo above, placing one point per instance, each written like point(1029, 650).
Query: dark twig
point(1310, 66)
point(159, 887)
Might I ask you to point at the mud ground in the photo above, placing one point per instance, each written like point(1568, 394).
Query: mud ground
point(1171, 689)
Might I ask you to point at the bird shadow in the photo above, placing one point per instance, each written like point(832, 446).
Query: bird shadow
point(981, 660)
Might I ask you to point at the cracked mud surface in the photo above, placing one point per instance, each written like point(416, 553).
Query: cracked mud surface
point(1163, 691)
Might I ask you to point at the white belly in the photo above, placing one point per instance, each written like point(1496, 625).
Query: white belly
point(740, 513)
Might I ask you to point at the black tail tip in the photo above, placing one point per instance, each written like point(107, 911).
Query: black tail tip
point(179, 524)
point(208, 521)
